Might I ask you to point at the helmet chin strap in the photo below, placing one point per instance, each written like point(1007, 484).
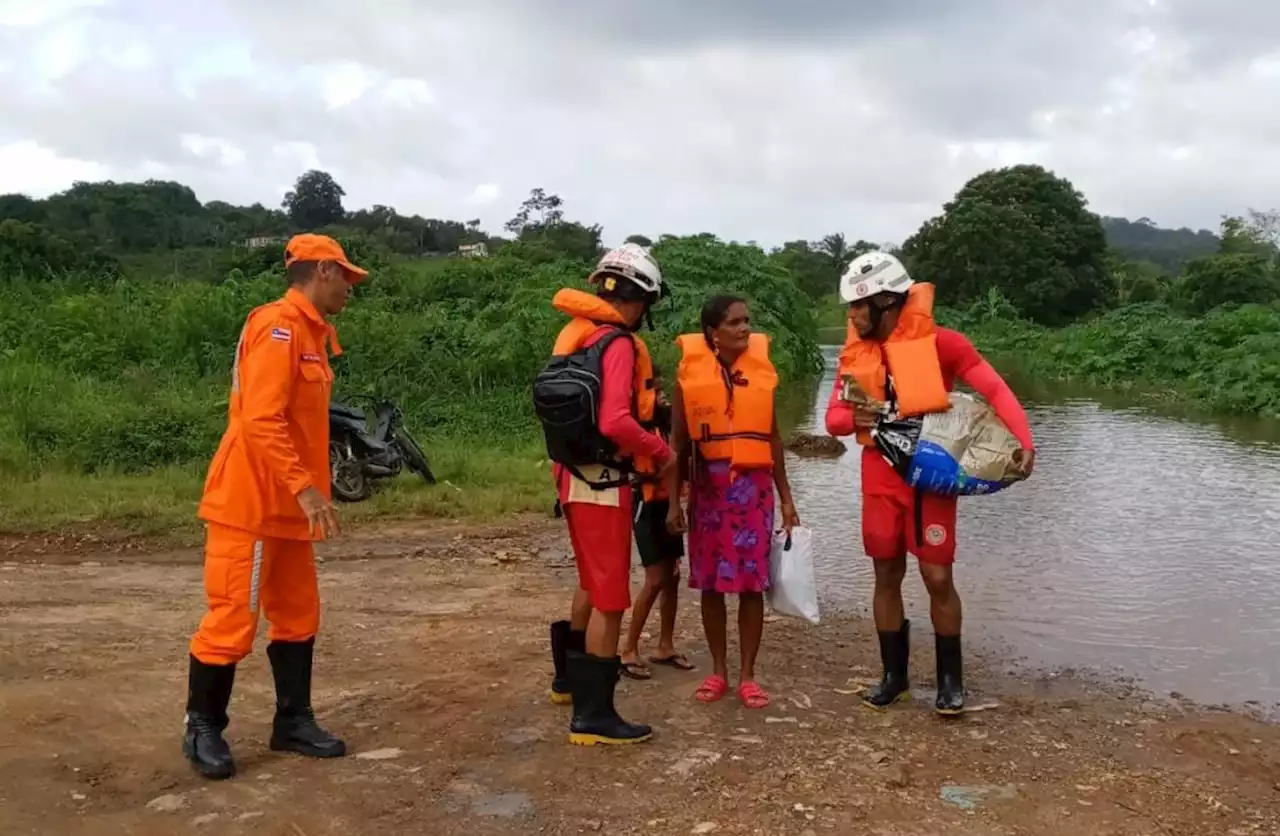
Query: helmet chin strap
point(875, 313)
point(654, 298)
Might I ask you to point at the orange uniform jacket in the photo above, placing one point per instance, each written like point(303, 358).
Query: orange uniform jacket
point(277, 438)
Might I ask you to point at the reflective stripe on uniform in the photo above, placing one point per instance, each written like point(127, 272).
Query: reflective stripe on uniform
point(255, 576)
point(235, 364)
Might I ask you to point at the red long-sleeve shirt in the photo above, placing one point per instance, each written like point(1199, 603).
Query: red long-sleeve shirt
point(958, 359)
point(616, 420)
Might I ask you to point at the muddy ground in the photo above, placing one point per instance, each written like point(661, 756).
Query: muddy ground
point(433, 665)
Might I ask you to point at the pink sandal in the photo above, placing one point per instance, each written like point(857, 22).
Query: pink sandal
point(712, 689)
point(752, 695)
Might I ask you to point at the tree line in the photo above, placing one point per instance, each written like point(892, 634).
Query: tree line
point(1021, 233)
point(1024, 239)
point(91, 224)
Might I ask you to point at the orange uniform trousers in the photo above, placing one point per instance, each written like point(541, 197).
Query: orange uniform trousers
point(246, 574)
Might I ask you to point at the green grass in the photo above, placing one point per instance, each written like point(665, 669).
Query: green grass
point(114, 389)
point(831, 315)
point(477, 478)
point(474, 481)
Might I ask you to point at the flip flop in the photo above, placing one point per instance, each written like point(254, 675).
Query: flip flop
point(636, 670)
point(678, 661)
point(712, 689)
point(752, 695)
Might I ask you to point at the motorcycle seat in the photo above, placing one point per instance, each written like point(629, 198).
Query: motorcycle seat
point(344, 411)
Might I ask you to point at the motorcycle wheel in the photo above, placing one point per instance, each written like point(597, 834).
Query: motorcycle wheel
point(346, 475)
point(414, 457)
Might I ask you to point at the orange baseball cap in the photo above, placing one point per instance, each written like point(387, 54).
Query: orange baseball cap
point(312, 247)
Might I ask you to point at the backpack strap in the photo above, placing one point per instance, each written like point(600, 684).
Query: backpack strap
point(602, 344)
point(615, 332)
point(623, 478)
point(622, 467)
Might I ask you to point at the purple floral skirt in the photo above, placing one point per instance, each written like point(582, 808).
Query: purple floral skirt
point(730, 529)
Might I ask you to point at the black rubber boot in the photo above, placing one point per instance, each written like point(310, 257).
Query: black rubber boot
point(208, 694)
point(595, 720)
point(294, 728)
point(895, 686)
point(950, 676)
point(563, 639)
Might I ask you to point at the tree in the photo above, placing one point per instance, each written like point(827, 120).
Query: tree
point(1264, 227)
point(1259, 233)
point(28, 249)
point(375, 219)
point(813, 270)
point(473, 234)
point(128, 217)
point(1136, 281)
point(642, 240)
point(1168, 248)
point(138, 217)
point(1228, 278)
point(19, 207)
point(1245, 268)
point(544, 234)
point(1023, 231)
point(539, 209)
point(696, 266)
point(315, 201)
point(568, 238)
point(863, 246)
point(32, 251)
point(836, 247)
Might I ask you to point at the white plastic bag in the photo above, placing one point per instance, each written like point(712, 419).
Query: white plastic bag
point(793, 589)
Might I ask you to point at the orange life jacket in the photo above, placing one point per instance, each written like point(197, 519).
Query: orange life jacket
point(911, 353)
point(729, 412)
point(589, 313)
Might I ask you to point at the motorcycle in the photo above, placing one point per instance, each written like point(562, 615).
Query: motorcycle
point(359, 455)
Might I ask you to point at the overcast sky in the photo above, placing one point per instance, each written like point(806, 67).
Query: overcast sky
point(753, 119)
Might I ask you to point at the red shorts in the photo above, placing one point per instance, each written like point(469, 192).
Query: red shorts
point(601, 538)
point(896, 519)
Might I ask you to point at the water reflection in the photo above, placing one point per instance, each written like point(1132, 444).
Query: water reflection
point(1142, 544)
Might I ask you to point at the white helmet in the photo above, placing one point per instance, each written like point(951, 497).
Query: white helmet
point(633, 263)
point(872, 273)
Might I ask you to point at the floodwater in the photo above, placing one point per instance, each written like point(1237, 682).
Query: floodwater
point(1142, 546)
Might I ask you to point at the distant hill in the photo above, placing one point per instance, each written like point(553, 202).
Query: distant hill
point(1167, 248)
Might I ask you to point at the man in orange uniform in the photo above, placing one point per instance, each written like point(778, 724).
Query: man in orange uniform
point(266, 499)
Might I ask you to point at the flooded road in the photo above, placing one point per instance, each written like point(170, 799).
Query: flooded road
point(1142, 546)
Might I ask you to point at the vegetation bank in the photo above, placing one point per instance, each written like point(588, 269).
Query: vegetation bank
point(120, 305)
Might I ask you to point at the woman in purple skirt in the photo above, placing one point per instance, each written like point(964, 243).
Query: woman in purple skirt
point(725, 433)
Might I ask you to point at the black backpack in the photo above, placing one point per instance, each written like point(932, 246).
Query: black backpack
point(566, 399)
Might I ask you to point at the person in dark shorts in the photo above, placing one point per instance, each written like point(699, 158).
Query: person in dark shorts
point(660, 554)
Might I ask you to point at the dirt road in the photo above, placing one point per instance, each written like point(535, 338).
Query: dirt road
point(433, 665)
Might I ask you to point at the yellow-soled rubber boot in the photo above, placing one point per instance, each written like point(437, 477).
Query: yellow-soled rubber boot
point(563, 639)
point(595, 720)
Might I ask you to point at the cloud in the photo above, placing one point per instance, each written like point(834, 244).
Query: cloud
point(752, 119)
point(486, 193)
point(30, 169)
